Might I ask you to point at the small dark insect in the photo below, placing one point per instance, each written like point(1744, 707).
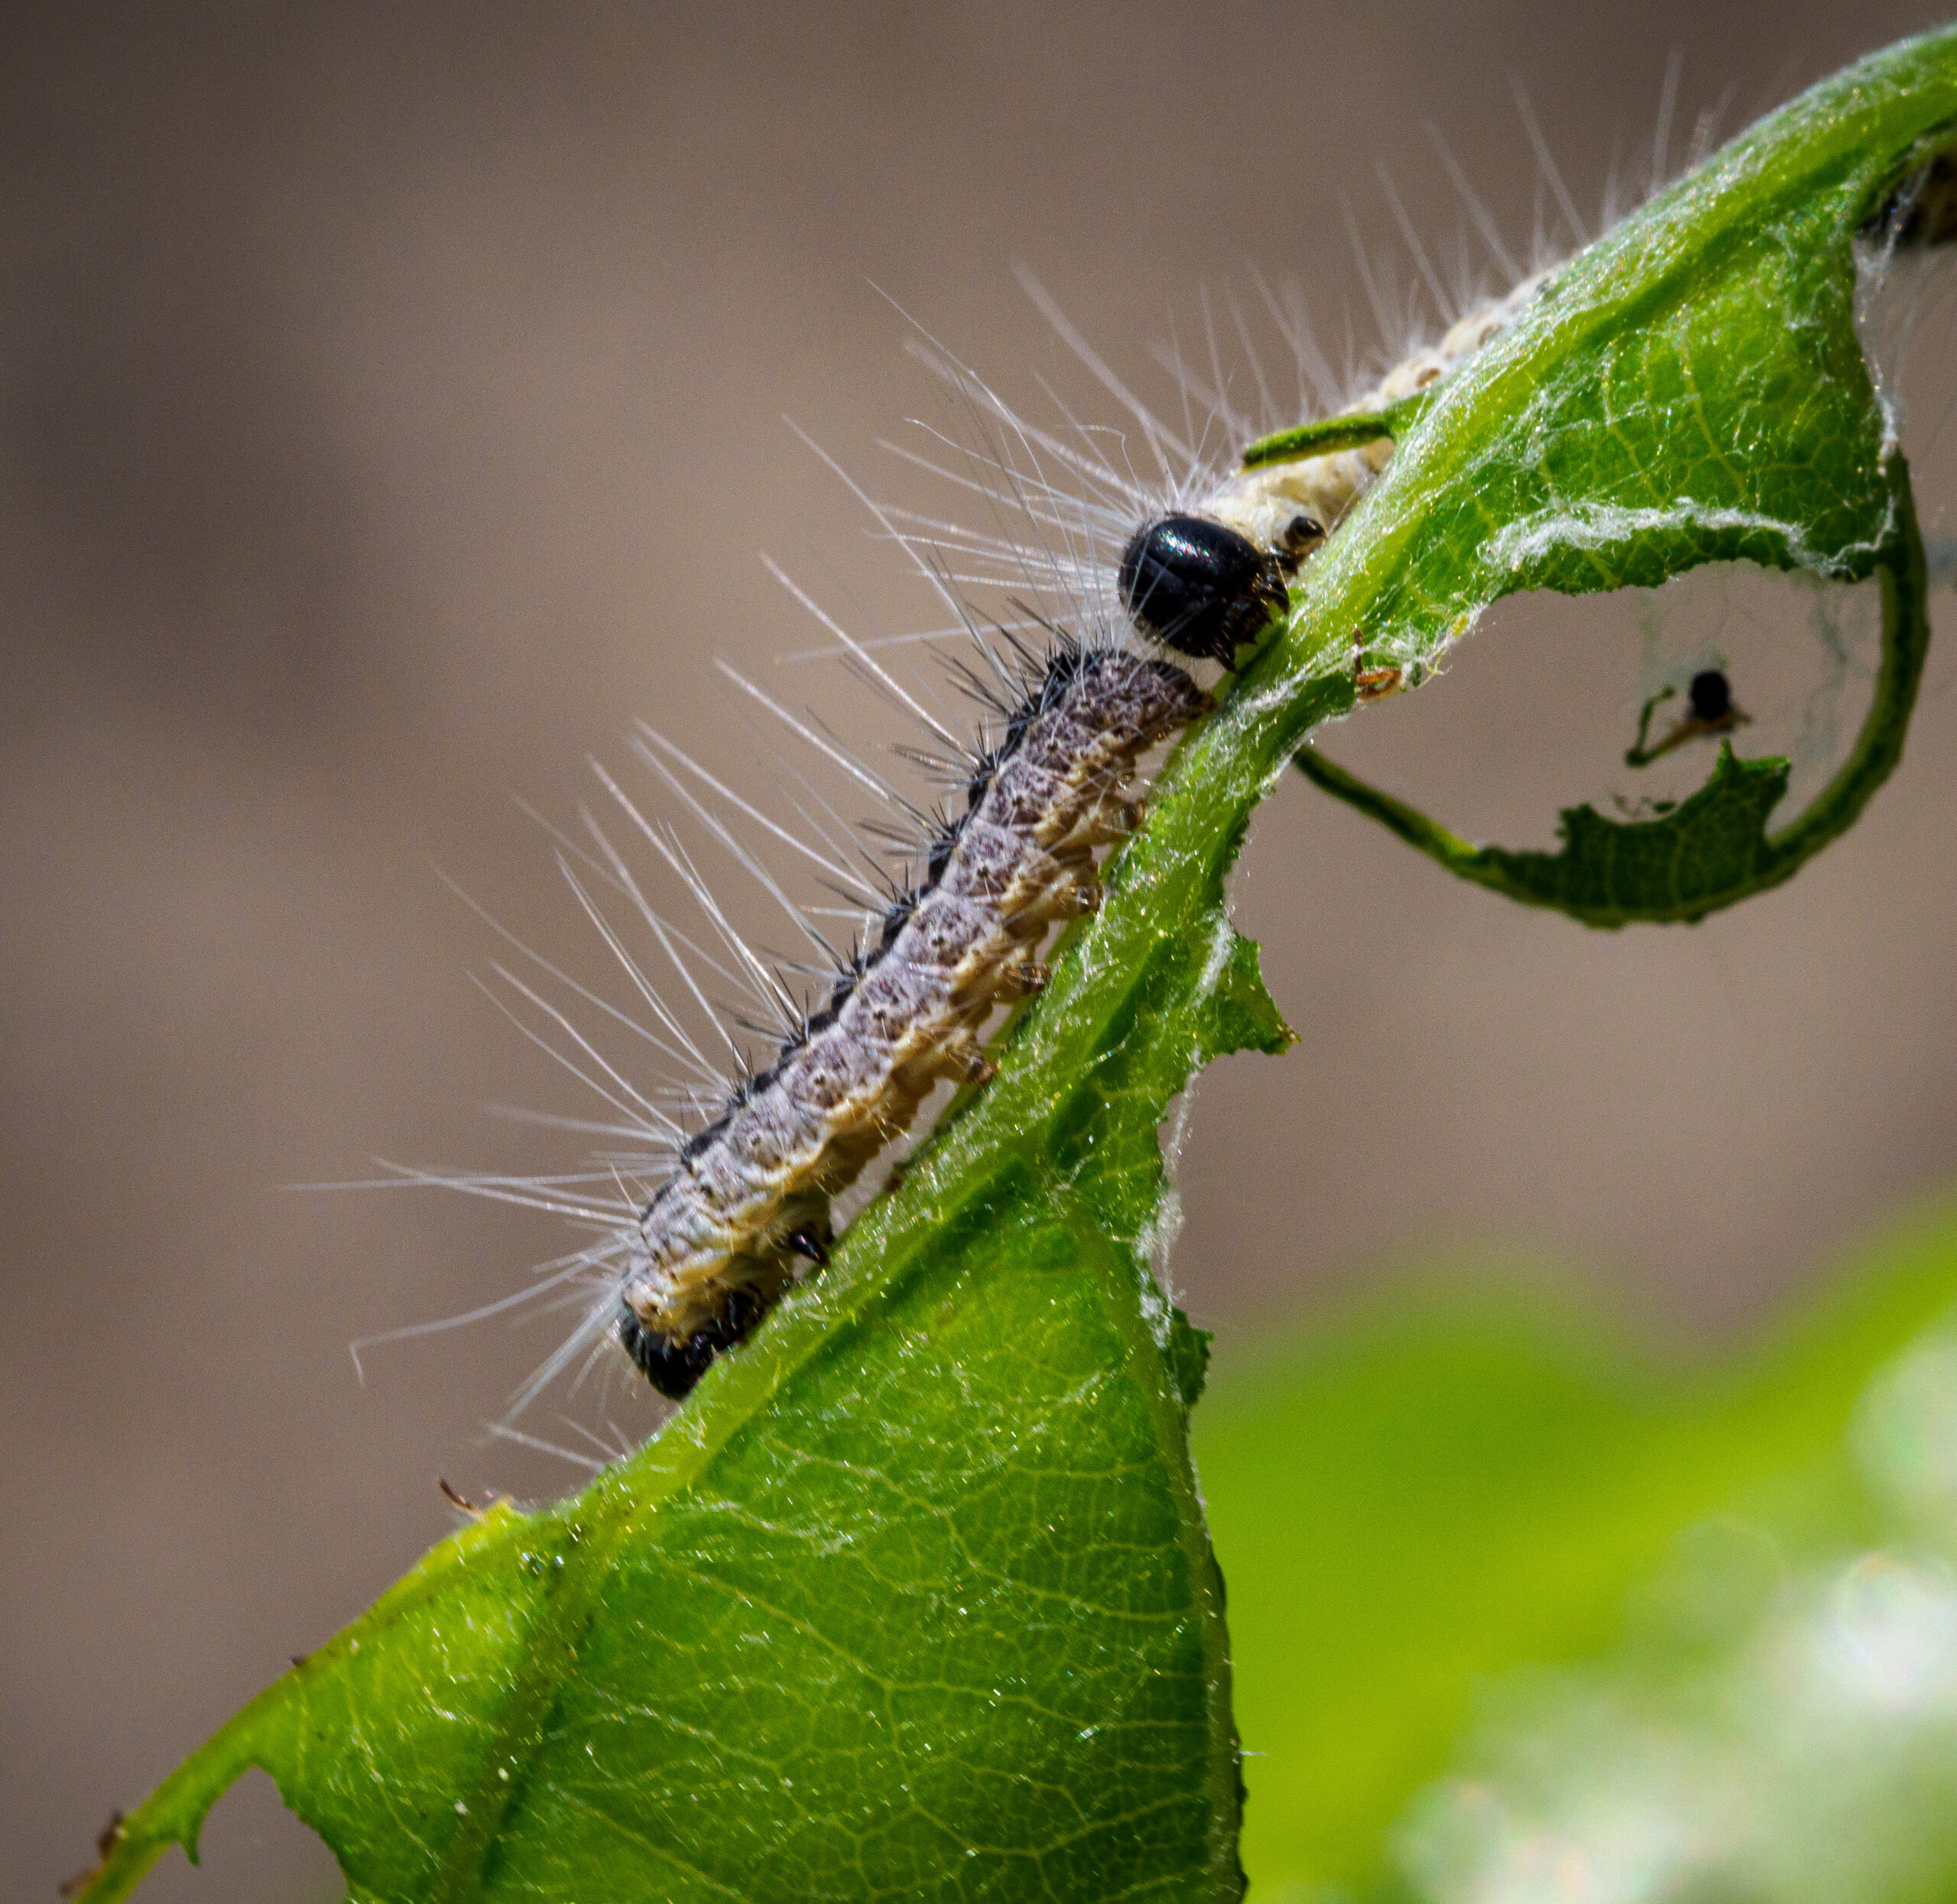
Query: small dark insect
point(1709, 696)
point(1202, 589)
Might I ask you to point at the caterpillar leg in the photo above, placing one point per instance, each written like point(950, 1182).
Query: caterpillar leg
point(1026, 979)
point(964, 1059)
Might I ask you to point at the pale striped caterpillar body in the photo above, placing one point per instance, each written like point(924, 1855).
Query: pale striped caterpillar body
point(717, 1245)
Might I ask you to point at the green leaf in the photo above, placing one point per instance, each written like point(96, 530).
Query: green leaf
point(1706, 435)
point(914, 1595)
point(937, 1618)
point(1189, 1358)
point(1609, 872)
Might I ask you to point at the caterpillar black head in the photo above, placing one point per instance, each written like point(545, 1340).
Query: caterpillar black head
point(673, 1364)
point(1198, 587)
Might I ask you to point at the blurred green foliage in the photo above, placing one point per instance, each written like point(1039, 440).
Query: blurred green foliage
point(1474, 1531)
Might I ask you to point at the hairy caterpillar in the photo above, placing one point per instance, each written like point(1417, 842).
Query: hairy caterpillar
point(699, 1233)
point(717, 1245)
point(718, 1242)
point(749, 1196)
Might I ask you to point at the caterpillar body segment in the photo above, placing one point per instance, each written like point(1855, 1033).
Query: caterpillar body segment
point(1262, 505)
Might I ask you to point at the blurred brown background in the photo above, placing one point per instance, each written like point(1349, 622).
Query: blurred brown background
point(392, 405)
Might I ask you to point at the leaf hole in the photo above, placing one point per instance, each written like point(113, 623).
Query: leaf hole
point(252, 1848)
